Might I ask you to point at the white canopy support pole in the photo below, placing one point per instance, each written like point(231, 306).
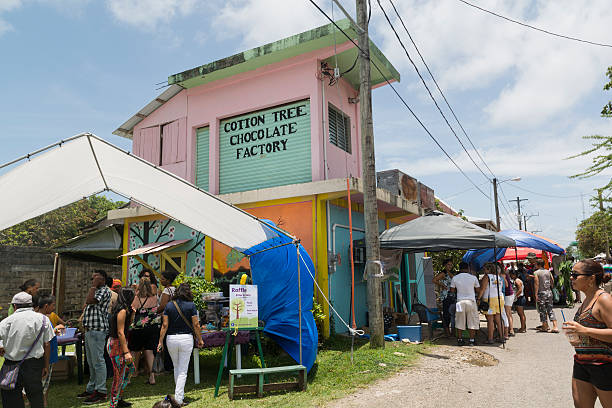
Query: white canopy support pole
point(27, 156)
point(297, 250)
point(97, 162)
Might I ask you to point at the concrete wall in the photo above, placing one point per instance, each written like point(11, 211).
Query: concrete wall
point(18, 264)
point(75, 282)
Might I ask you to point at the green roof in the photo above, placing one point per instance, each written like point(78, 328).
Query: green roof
point(317, 38)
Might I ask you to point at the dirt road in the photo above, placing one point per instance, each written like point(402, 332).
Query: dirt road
point(534, 370)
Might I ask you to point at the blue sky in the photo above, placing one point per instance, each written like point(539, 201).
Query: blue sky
point(524, 98)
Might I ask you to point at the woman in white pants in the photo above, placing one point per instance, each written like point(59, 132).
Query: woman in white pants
point(180, 323)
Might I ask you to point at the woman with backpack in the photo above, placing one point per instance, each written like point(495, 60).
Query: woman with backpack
point(145, 328)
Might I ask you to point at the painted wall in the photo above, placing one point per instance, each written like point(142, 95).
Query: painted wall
point(160, 230)
point(293, 217)
point(340, 279)
point(341, 164)
point(285, 82)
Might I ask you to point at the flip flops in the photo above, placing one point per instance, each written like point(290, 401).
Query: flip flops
point(541, 330)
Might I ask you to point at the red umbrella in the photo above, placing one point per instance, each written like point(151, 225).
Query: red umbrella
point(522, 254)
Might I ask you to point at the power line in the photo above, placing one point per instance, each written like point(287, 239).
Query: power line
point(427, 88)
point(401, 99)
point(547, 195)
point(439, 89)
point(535, 28)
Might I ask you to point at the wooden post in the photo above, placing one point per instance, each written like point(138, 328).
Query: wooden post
point(497, 223)
point(368, 165)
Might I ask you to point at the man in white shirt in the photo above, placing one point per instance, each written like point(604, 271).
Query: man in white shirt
point(18, 333)
point(466, 315)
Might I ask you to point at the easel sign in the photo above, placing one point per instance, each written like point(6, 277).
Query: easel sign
point(243, 311)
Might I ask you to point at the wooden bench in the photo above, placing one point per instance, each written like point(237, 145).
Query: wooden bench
point(260, 387)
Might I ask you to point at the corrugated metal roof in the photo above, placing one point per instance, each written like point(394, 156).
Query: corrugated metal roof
point(127, 128)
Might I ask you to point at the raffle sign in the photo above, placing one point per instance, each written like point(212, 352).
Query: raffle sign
point(243, 306)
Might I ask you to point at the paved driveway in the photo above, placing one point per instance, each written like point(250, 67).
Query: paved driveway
point(534, 370)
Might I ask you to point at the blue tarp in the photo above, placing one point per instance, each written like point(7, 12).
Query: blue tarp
point(274, 271)
point(478, 257)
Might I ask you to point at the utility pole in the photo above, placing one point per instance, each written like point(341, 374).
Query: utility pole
point(602, 209)
point(528, 217)
point(518, 204)
point(496, 204)
point(370, 207)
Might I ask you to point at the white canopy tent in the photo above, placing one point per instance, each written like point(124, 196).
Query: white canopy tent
point(86, 165)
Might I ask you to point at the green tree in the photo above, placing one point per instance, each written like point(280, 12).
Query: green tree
point(59, 225)
point(601, 147)
point(592, 233)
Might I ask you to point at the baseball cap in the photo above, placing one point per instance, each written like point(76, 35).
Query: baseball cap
point(22, 298)
point(116, 284)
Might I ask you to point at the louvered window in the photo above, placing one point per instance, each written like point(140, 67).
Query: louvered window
point(339, 129)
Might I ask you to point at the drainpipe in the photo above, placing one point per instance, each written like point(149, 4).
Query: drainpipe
point(325, 172)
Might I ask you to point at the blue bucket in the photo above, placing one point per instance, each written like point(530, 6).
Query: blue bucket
point(412, 333)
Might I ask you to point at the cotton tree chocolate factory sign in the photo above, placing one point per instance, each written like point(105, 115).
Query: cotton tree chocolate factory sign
point(264, 132)
point(272, 144)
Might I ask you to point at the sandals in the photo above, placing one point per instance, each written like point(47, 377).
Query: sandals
point(541, 330)
point(554, 331)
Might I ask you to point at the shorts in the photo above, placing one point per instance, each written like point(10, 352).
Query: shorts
point(598, 375)
point(494, 306)
point(466, 314)
point(508, 300)
point(520, 302)
point(144, 339)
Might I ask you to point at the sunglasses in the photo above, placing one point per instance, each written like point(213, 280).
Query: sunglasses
point(574, 275)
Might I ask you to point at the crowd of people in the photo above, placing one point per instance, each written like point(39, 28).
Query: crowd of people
point(501, 289)
point(123, 327)
point(496, 291)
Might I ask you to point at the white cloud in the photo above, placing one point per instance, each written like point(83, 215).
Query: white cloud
point(537, 76)
point(258, 22)
point(540, 153)
point(148, 14)
point(6, 6)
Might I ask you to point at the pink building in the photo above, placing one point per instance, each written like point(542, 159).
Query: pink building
point(274, 130)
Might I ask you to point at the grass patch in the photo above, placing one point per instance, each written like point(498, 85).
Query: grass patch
point(332, 377)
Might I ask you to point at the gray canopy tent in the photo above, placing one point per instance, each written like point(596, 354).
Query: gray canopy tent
point(436, 232)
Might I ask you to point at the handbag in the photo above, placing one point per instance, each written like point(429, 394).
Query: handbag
point(180, 312)
point(482, 305)
point(10, 372)
point(158, 363)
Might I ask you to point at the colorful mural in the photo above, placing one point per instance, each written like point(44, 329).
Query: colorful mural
point(296, 218)
point(146, 232)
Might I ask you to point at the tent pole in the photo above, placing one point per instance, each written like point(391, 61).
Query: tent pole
point(297, 250)
point(516, 257)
